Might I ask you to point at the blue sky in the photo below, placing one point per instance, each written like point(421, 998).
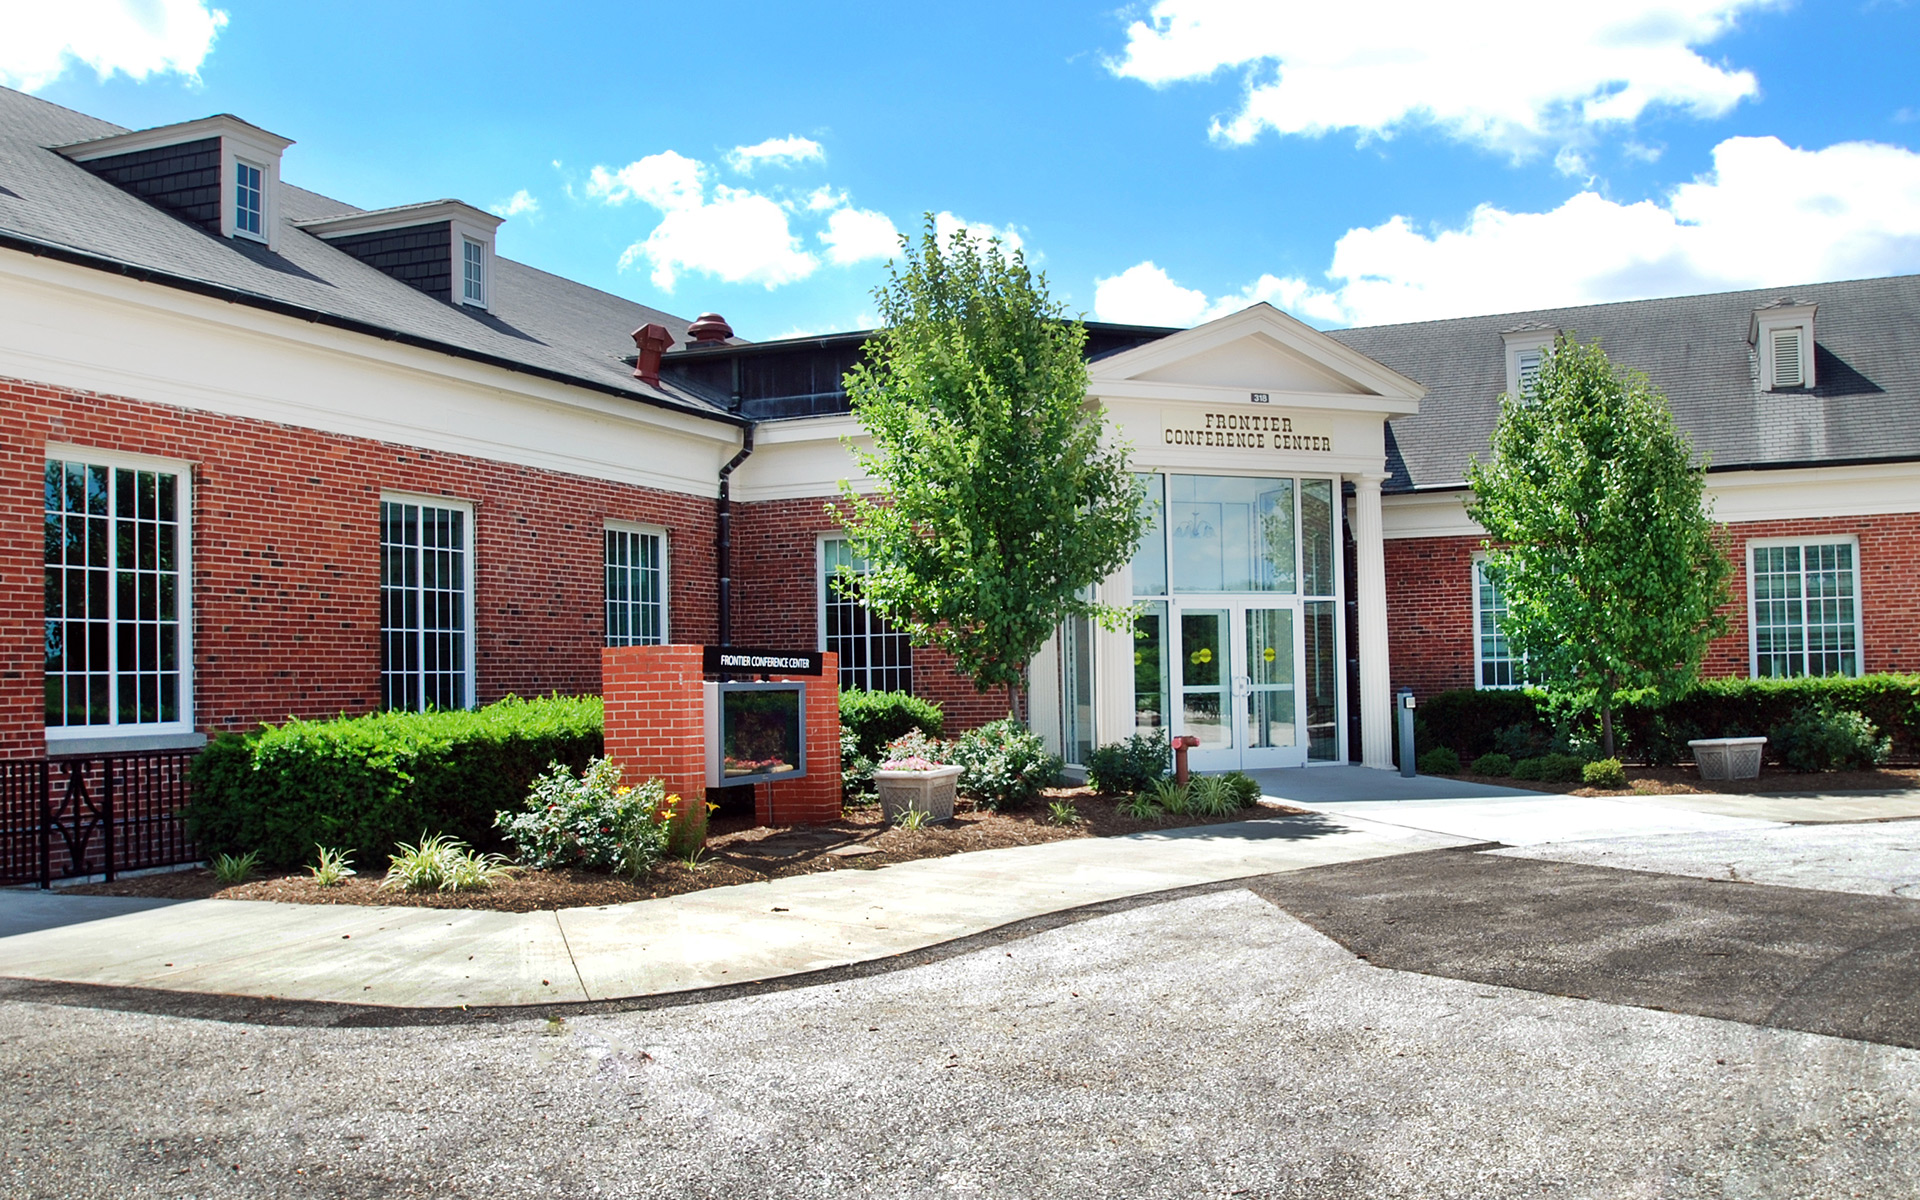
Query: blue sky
point(1355, 164)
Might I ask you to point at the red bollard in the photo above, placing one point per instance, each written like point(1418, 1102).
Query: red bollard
point(1180, 746)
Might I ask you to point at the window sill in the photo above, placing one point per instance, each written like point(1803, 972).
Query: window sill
point(123, 743)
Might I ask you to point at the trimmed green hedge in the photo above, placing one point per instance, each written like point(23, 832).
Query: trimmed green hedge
point(1471, 722)
point(367, 783)
point(877, 718)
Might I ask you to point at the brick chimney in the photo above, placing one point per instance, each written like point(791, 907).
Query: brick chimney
point(651, 341)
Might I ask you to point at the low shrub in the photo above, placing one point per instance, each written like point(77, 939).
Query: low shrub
point(1174, 799)
point(1439, 761)
point(1244, 788)
point(371, 781)
point(592, 821)
point(1605, 773)
point(1530, 770)
point(1495, 764)
point(438, 863)
point(877, 718)
point(1521, 740)
point(1825, 739)
point(1655, 732)
point(1130, 765)
point(1561, 768)
point(856, 772)
point(1468, 720)
point(1003, 764)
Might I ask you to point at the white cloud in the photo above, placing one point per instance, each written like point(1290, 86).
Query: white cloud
point(732, 234)
point(521, 203)
point(945, 225)
point(135, 37)
point(857, 235)
point(1505, 74)
point(1767, 215)
point(821, 199)
point(775, 152)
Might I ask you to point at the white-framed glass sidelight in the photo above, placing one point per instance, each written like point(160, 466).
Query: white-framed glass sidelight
point(426, 603)
point(1803, 607)
point(118, 623)
point(635, 563)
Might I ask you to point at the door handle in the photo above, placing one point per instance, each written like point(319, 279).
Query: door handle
point(1242, 686)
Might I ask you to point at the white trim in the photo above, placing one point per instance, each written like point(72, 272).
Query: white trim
point(615, 525)
point(261, 170)
point(472, 557)
point(1748, 546)
point(402, 216)
point(221, 125)
point(184, 650)
point(1474, 576)
point(462, 232)
point(1765, 323)
point(237, 148)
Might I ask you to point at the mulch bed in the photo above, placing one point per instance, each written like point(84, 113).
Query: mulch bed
point(737, 852)
point(1681, 781)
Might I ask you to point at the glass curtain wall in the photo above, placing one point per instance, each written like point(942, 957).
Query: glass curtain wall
point(1214, 534)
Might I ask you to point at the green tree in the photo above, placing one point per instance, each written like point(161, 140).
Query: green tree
point(1598, 532)
point(1000, 498)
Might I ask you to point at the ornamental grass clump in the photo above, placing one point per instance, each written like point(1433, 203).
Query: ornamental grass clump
point(333, 869)
point(1175, 799)
point(438, 863)
point(593, 821)
point(1213, 796)
point(235, 868)
point(1139, 807)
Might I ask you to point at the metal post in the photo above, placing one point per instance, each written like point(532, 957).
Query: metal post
point(106, 790)
point(1405, 708)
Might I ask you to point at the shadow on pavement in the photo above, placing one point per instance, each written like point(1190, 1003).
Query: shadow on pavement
point(29, 911)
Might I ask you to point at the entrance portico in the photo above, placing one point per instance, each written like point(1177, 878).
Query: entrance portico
point(1246, 433)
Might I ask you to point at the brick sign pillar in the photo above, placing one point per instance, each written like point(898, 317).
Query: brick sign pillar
point(656, 728)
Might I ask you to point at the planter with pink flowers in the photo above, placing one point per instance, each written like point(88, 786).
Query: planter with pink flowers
point(916, 785)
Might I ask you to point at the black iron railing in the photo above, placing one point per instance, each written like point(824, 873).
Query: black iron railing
point(92, 815)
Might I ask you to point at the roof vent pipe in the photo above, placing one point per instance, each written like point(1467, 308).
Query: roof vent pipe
point(709, 329)
point(651, 341)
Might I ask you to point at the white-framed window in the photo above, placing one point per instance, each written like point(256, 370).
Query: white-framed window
point(426, 603)
point(1803, 606)
point(1494, 663)
point(249, 199)
point(636, 573)
point(873, 655)
point(118, 595)
point(473, 277)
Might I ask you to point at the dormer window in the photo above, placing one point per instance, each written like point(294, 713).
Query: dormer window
point(1527, 351)
point(474, 281)
point(249, 197)
point(1782, 338)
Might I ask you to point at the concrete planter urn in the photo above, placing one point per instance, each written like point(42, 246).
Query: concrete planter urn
point(916, 785)
point(1728, 758)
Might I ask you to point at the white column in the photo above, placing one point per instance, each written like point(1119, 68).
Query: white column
point(1376, 676)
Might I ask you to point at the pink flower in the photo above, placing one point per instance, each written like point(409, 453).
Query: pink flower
point(910, 763)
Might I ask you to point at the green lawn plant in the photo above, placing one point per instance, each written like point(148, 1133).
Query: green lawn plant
point(1062, 812)
point(1606, 773)
point(438, 863)
point(1001, 497)
point(1824, 738)
point(876, 718)
point(1440, 760)
point(1493, 764)
point(1131, 764)
point(333, 868)
point(1003, 764)
point(1140, 806)
point(1174, 799)
point(1600, 535)
point(911, 818)
point(591, 821)
point(230, 869)
point(1213, 796)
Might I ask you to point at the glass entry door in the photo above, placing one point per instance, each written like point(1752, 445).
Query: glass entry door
point(1238, 684)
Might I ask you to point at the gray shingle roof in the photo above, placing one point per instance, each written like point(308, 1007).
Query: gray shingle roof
point(540, 322)
point(1865, 406)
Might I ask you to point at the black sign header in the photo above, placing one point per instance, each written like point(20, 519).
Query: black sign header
point(746, 660)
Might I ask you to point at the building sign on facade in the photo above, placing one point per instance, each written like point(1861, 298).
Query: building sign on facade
point(1241, 431)
point(735, 660)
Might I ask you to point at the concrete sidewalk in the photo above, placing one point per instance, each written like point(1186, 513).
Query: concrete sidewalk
point(419, 957)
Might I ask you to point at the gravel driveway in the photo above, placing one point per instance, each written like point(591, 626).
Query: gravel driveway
point(1208, 1046)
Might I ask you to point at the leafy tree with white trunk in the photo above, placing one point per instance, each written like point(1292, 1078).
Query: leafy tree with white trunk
point(1001, 496)
point(1599, 535)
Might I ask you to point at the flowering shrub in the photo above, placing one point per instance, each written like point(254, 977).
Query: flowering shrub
point(592, 821)
point(1004, 764)
point(912, 762)
point(916, 744)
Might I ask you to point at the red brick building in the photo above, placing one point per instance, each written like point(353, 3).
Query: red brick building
point(270, 455)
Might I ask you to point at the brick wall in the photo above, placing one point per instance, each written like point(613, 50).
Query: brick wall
point(286, 558)
point(776, 601)
point(1430, 599)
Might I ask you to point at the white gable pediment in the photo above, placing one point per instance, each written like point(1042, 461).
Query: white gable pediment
point(1259, 350)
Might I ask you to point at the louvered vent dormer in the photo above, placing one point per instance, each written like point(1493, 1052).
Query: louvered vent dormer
point(444, 247)
point(1781, 335)
point(219, 173)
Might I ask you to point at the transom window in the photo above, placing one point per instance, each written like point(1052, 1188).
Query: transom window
point(247, 204)
point(1495, 665)
point(116, 635)
point(475, 262)
point(1805, 609)
point(636, 587)
point(426, 632)
point(873, 655)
